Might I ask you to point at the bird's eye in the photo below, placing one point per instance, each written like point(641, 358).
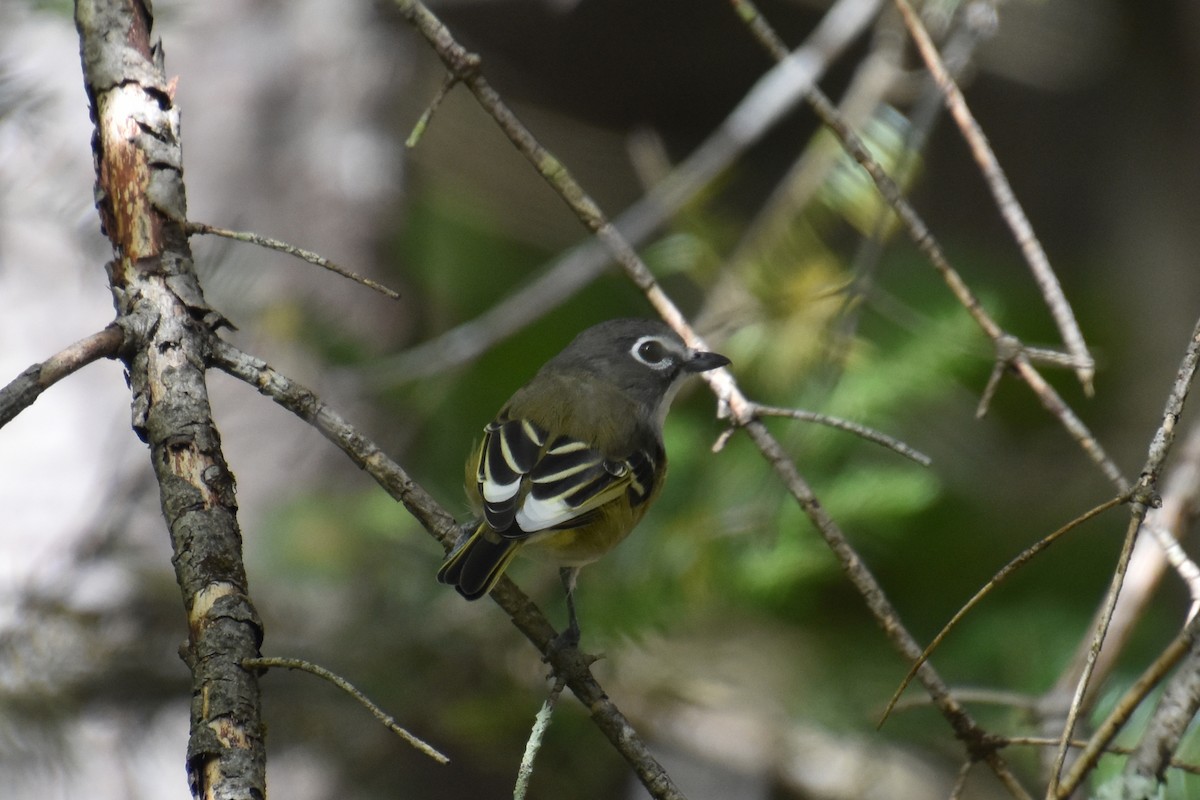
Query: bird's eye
point(652, 353)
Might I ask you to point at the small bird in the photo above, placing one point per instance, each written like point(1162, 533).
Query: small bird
point(573, 460)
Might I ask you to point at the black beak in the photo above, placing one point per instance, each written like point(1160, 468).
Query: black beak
point(699, 361)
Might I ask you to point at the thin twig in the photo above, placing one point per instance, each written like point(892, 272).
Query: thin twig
point(979, 695)
point(925, 241)
point(1180, 502)
point(1112, 749)
point(423, 121)
point(1006, 199)
point(337, 680)
point(1144, 497)
point(960, 780)
point(1008, 349)
point(1179, 560)
point(27, 387)
point(1171, 720)
point(870, 434)
point(1094, 646)
point(1019, 561)
point(540, 724)
point(1125, 707)
point(292, 250)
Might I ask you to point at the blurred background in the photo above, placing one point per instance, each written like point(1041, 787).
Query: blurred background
point(730, 636)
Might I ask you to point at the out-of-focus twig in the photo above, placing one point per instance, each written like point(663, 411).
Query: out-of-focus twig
point(779, 91)
point(1009, 350)
point(1144, 497)
point(386, 719)
point(1019, 561)
point(299, 252)
point(1006, 199)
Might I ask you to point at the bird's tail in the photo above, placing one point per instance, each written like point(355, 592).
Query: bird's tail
point(475, 565)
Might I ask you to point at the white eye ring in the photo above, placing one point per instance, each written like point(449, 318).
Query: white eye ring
point(653, 352)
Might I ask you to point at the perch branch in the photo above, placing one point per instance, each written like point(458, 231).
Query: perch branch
point(568, 663)
point(456, 58)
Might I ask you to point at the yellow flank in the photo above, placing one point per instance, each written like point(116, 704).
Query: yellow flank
point(575, 547)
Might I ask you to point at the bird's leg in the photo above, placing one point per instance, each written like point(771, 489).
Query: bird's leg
point(570, 635)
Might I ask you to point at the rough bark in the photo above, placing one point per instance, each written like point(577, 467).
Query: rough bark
point(167, 329)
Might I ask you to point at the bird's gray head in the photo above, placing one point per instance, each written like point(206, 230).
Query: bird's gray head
point(644, 357)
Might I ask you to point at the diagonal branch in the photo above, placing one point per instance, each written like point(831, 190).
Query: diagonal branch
point(1006, 199)
point(467, 67)
point(1009, 350)
point(292, 250)
point(568, 663)
point(306, 405)
point(1145, 497)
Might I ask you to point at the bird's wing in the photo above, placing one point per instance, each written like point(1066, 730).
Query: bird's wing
point(541, 485)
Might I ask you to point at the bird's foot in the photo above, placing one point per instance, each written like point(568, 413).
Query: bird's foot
point(563, 653)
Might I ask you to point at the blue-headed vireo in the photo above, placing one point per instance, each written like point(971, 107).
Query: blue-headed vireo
point(573, 460)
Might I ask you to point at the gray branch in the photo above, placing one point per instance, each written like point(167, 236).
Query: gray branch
point(166, 326)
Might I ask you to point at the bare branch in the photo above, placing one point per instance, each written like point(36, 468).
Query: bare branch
point(870, 434)
point(980, 745)
point(1145, 496)
point(423, 121)
point(362, 451)
point(29, 385)
point(1124, 709)
point(536, 735)
point(292, 250)
point(1112, 749)
point(925, 241)
point(1180, 501)
point(388, 721)
point(1006, 200)
point(1171, 718)
point(1023, 558)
